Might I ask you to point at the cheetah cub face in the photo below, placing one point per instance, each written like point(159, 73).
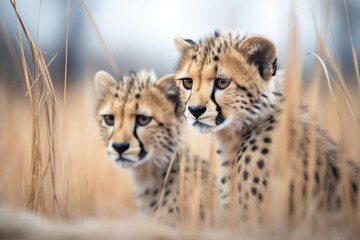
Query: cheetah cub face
point(137, 117)
point(222, 77)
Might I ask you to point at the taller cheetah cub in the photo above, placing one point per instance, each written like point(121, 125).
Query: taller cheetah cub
point(138, 123)
point(228, 85)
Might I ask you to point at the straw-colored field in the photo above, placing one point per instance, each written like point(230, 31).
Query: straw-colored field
point(53, 162)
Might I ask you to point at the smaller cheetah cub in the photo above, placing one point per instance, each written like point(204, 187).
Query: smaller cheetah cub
point(138, 123)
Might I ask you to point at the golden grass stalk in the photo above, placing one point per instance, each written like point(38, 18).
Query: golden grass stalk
point(283, 165)
point(43, 93)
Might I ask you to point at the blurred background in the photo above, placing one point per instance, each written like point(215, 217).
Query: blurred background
point(140, 33)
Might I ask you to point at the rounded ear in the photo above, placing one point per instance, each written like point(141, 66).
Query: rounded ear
point(103, 82)
point(261, 52)
point(183, 44)
point(168, 86)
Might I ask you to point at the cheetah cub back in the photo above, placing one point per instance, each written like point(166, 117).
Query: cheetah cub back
point(137, 116)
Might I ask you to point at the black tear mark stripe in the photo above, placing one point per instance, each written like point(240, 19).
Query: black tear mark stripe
point(187, 100)
point(142, 149)
point(219, 118)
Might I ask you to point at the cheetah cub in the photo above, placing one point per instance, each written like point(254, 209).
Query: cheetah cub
point(228, 85)
point(138, 123)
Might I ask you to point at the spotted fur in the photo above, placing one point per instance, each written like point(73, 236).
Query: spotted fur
point(237, 93)
point(151, 150)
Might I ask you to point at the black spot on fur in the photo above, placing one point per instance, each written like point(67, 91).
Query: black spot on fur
point(247, 159)
point(245, 206)
point(239, 187)
point(244, 149)
point(335, 172)
point(167, 192)
point(260, 197)
point(305, 162)
point(264, 151)
point(239, 169)
point(261, 164)
point(256, 180)
point(247, 137)
point(305, 176)
point(270, 128)
point(223, 180)
point(264, 182)
point(354, 187)
point(267, 140)
point(152, 204)
point(137, 96)
point(253, 191)
point(216, 58)
point(226, 163)
point(317, 177)
point(245, 175)
point(254, 148)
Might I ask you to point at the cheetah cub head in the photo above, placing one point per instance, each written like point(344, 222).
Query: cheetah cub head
point(222, 78)
point(137, 117)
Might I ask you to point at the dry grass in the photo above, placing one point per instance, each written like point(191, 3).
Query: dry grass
point(52, 158)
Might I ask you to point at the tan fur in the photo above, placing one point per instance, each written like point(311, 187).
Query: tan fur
point(244, 116)
point(154, 150)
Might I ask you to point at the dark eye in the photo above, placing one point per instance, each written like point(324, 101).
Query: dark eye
point(222, 83)
point(143, 120)
point(187, 83)
point(109, 120)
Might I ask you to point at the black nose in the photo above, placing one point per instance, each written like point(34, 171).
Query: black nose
point(120, 147)
point(197, 110)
